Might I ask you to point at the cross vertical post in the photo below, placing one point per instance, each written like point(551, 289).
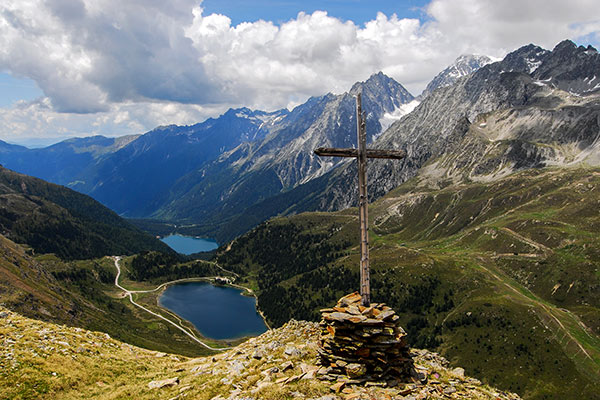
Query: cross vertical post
point(361, 154)
point(363, 210)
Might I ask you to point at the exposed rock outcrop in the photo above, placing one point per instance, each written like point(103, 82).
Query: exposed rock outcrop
point(462, 66)
point(554, 95)
point(42, 360)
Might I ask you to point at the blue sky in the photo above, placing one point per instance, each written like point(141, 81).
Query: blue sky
point(359, 11)
point(14, 89)
point(118, 67)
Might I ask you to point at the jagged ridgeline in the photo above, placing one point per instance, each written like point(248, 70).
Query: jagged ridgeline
point(535, 108)
point(221, 177)
point(488, 250)
point(209, 175)
point(500, 277)
point(53, 219)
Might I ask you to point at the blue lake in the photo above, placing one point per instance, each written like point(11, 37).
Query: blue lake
point(188, 244)
point(217, 312)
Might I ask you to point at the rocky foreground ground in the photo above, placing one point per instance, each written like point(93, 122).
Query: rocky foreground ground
point(43, 360)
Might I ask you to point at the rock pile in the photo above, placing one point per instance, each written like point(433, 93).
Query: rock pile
point(279, 364)
point(363, 343)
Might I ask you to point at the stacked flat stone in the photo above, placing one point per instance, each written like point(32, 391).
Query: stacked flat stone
point(363, 343)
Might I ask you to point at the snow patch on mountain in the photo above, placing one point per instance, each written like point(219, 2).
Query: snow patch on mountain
point(533, 65)
point(390, 117)
point(462, 66)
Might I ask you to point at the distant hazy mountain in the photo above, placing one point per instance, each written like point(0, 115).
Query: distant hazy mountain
point(462, 66)
point(134, 179)
point(64, 162)
point(479, 120)
point(53, 219)
point(7, 148)
point(256, 171)
point(127, 174)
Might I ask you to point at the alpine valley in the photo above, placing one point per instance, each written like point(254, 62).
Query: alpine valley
point(484, 240)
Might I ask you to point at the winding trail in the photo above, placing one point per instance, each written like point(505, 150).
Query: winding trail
point(130, 294)
point(530, 242)
point(549, 311)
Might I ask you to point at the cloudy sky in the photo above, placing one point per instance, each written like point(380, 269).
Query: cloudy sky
point(116, 67)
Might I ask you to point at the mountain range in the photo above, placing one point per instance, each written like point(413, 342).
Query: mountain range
point(483, 239)
point(204, 174)
point(462, 66)
point(508, 115)
point(53, 219)
point(223, 176)
point(156, 174)
point(532, 123)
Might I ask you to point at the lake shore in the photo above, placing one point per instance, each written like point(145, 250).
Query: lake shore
point(189, 244)
point(182, 323)
point(217, 311)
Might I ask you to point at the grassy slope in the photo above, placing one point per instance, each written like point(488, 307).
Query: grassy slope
point(39, 360)
point(52, 361)
point(54, 219)
point(502, 277)
point(82, 293)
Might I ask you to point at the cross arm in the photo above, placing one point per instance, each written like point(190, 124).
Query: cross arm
point(371, 153)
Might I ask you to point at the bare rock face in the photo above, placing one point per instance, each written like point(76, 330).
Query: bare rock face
point(551, 99)
point(462, 66)
point(366, 344)
point(571, 68)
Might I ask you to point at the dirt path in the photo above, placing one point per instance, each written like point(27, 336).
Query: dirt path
point(130, 294)
point(530, 242)
point(540, 304)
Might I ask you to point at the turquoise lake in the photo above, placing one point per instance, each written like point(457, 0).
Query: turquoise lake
point(217, 312)
point(189, 245)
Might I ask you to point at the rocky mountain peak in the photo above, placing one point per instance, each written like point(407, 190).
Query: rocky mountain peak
point(462, 66)
point(526, 59)
point(242, 112)
point(236, 111)
point(384, 100)
point(566, 44)
point(254, 115)
point(380, 87)
point(377, 80)
point(571, 68)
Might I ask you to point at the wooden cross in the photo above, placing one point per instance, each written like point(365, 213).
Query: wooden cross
point(362, 153)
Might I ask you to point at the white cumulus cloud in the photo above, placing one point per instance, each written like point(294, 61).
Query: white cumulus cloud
point(117, 67)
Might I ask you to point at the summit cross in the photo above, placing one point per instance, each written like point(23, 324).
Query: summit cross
point(362, 153)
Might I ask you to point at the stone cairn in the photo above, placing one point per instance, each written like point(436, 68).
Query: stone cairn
point(364, 344)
